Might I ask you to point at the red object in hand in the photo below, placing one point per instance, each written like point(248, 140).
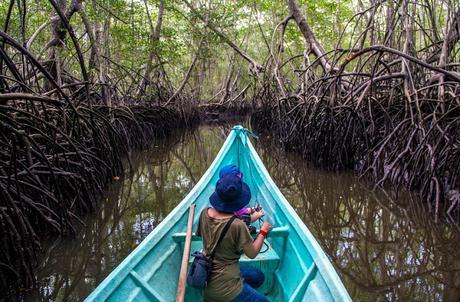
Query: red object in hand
point(263, 233)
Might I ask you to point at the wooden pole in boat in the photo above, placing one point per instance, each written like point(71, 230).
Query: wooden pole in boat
point(180, 294)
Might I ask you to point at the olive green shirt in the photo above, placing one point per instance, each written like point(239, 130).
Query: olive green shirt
point(225, 282)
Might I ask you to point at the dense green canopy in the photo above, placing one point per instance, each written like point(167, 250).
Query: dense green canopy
point(120, 39)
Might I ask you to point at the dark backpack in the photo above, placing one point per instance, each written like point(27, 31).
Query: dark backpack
point(202, 264)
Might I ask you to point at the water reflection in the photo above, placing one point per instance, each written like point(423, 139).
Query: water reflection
point(384, 247)
point(156, 182)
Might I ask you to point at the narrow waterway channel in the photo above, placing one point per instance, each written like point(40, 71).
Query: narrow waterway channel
point(384, 246)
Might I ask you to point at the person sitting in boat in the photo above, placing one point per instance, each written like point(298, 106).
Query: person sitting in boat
point(227, 282)
point(252, 212)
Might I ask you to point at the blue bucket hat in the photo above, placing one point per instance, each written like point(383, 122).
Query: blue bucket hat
point(231, 194)
point(230, 169)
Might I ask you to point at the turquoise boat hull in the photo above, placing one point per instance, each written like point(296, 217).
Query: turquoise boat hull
point(295, 266)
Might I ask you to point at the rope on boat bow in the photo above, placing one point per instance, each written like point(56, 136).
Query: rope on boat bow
point(245, 131)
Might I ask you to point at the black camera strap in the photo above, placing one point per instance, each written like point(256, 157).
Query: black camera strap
point(222, 235)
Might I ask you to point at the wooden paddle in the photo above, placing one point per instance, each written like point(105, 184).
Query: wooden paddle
point(180, 294)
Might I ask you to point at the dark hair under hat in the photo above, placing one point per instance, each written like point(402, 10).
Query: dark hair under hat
point(231, 194)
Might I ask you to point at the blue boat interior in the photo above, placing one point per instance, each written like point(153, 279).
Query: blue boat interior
point(293, 268)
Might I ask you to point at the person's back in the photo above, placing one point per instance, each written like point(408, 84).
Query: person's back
point(225, 282)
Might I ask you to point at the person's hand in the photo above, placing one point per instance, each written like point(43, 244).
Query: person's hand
point(257, 215)
point(266, 226)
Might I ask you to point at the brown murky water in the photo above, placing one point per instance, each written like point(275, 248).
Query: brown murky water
point(384, 246)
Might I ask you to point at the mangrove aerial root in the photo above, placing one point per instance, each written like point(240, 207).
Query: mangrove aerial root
point(54, 165)
point(388, 111)
point(61, 141)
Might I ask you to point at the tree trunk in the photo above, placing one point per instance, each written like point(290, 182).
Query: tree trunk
point(308, 34)
point(56, 44)
point(451, 36)
point(187, 75)
point(58, 35)
point(154, 39)
point(407, 49)
point(390, 24)
point(256, 67)
point(95, 61)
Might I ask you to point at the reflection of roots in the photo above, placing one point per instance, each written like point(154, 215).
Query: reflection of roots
point(54, 165)
point(379, 242)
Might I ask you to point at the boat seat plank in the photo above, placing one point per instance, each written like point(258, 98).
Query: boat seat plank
point(146, 289)
point(269, 255)
point(301, 288)
point(276, 232)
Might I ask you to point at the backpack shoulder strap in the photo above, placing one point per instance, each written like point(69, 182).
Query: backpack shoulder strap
point(222, 235)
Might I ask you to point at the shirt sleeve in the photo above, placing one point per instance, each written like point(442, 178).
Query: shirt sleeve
point(243, 237)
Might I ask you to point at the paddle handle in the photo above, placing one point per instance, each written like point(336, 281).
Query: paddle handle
point(180, 294)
